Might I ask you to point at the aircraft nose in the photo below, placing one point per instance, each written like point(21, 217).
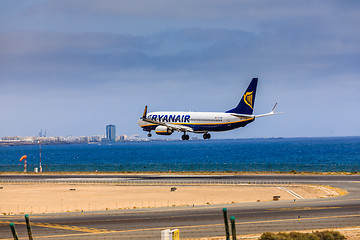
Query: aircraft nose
point(140, 122)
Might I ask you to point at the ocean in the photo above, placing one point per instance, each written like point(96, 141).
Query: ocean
point(335, 154)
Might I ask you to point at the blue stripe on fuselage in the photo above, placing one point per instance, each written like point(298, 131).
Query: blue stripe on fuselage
point(208, 127)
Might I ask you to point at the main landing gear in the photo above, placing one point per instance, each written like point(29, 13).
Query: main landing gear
point(206, 136)
point(185, 137)
point(149, 134)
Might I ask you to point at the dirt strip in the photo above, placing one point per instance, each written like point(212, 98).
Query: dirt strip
point(62, 197)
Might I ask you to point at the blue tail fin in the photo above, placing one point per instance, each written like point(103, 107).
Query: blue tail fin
point(246, 104)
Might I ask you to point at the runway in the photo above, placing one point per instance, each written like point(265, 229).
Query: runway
point(197, 221)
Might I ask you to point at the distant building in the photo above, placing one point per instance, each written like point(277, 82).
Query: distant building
point(11, 138)
point(110, 133)
point(95, 138)
point(135, 138)
point(121, 138)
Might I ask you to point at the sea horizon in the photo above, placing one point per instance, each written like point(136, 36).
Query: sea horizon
point(320, 154)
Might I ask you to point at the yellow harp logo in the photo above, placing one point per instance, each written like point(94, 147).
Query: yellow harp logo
point(248, 99)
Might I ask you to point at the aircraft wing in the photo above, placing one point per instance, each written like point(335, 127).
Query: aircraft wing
point(175, 127)
point(179, 128)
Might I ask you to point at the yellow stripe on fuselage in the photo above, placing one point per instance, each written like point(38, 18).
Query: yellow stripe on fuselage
point(223, 123)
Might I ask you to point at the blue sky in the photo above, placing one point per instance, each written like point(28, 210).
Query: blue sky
point(73, 66)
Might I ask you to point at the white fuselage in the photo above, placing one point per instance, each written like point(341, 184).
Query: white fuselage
point(201, 122)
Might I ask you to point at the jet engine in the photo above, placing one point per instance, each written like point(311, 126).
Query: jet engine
point(162, 130)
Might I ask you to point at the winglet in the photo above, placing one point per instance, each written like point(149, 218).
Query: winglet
point(273, 110)
point(270, 113)
point(145, 112)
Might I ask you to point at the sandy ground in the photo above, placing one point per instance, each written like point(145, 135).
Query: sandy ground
point(46, 198)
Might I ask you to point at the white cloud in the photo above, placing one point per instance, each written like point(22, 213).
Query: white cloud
point(178, 56)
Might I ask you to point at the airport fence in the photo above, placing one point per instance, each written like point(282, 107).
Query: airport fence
point(183, 167)
point(147, 182)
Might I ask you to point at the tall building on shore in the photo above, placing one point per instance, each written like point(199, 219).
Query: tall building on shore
point(110, 132)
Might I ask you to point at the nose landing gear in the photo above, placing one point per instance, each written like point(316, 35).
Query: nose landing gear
point(149, 134)
point(206, 136)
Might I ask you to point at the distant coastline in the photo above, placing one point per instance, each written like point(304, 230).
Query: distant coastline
point(25, 143)
point(135, 138)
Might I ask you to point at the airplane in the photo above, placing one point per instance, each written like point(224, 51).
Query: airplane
point(165, 123)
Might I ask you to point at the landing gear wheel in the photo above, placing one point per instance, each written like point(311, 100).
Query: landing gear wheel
point(185, 137)
point(206, 136)
point(149, 135)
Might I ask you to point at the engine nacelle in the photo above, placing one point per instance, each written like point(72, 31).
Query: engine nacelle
point(162, 130)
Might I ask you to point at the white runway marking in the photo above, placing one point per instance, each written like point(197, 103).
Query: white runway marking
point(291, 192)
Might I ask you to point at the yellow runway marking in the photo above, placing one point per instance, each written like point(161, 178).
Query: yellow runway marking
point(58, 226)
point(55, 236)
point(302, 208)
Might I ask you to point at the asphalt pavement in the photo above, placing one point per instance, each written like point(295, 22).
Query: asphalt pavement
point(195, 221)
